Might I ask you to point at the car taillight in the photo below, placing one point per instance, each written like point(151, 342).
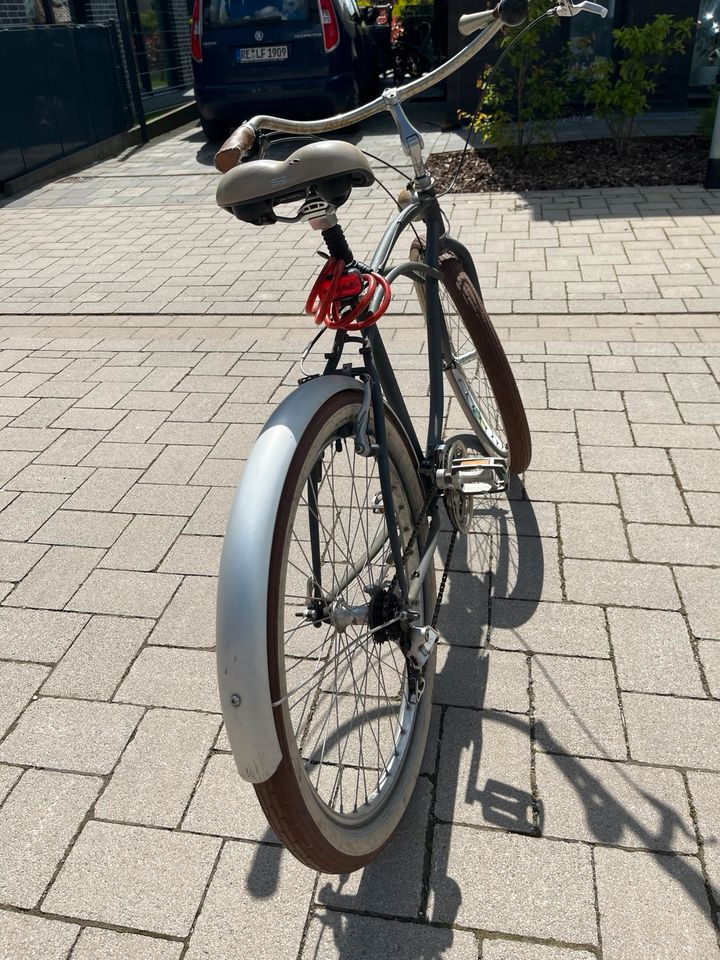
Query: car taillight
point(196, 33)
point(330, 28)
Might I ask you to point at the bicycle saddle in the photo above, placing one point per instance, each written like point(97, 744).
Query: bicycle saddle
point(328, 169)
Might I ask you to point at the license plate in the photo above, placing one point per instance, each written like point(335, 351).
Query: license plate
point(262, 54)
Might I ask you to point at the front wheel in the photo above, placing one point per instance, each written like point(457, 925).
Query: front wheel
point(476, 365)
point(351, 732)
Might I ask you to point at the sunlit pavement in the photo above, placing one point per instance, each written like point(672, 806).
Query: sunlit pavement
point(569, 805)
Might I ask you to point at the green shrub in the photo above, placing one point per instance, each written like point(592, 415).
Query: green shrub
point(618, 93)
point(521, 105)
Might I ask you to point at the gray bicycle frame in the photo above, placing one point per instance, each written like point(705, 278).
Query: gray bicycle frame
point(384, 383)
point(427, 208)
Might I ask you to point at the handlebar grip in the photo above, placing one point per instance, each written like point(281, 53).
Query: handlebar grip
point(474, 21)
point(237, 145)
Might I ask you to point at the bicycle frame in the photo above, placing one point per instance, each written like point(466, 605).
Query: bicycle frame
point(381, 376)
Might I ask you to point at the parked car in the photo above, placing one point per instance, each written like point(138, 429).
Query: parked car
point(293, 57)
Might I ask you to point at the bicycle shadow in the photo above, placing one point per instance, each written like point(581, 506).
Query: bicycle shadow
point(466, 778)
point(398, 881)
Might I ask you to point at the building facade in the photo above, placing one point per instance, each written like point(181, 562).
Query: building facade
point(686, 81)
point(689, 75)
point(159, 35)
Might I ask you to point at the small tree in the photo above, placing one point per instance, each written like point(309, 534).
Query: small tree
point(619, 93)
point(520, 107)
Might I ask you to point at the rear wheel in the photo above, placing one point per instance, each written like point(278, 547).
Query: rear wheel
point(476, 366)
point(351, 733)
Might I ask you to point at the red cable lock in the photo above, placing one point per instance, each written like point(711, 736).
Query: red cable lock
point(328, 300)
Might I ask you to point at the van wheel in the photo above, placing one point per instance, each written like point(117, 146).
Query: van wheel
point(370, 83)
point(354, 102)
point(215, 130)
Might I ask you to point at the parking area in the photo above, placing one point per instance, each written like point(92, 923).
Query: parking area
point(569, 804)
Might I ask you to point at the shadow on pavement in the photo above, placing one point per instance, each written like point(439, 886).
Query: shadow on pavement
point(624, 203)
point(410, 878)
point(205, 151)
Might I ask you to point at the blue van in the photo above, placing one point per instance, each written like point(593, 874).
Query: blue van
point(302, 58)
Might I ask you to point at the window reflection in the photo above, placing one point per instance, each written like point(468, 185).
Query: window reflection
point(594, 32)
point(705, 62)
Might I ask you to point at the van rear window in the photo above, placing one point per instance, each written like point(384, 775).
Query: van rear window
point(222, 13)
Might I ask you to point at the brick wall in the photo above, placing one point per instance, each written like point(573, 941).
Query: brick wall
point(105, 11)
point(181, 25)
point(100, 11)
point(19, 12)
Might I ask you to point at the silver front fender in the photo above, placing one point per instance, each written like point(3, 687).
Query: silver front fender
point(241, 624)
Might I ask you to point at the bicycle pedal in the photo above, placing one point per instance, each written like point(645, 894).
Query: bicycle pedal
point(476, 475)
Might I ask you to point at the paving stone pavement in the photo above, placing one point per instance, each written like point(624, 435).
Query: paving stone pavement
point(568, 804)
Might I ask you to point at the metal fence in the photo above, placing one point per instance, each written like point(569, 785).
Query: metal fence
point(63, 91)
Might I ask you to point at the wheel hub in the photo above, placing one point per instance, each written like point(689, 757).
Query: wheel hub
point(343, 615)
point(384, 607)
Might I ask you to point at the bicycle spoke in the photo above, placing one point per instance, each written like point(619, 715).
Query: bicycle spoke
point(347, 700)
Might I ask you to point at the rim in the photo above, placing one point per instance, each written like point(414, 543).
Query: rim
point(468, 375)
point(345, 695)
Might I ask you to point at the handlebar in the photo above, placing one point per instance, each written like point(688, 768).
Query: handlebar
point(506, 13)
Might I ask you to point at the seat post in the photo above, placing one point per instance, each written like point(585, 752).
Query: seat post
point(337, 244)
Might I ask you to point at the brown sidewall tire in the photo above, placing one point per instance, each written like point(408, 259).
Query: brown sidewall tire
point(469, 305)
point(287, 798)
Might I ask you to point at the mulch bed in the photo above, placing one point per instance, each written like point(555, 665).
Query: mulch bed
point(650, 161)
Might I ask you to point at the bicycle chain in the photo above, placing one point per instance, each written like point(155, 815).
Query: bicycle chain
point(415, 677)
point(448, 557)
point(443, 580)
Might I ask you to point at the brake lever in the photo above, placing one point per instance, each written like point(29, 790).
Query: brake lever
point(566, 8)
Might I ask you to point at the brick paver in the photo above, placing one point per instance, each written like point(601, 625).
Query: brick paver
point(568, 801)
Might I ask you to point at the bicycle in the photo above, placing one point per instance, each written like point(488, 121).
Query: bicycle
point(414, 52)
point(327, 597)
